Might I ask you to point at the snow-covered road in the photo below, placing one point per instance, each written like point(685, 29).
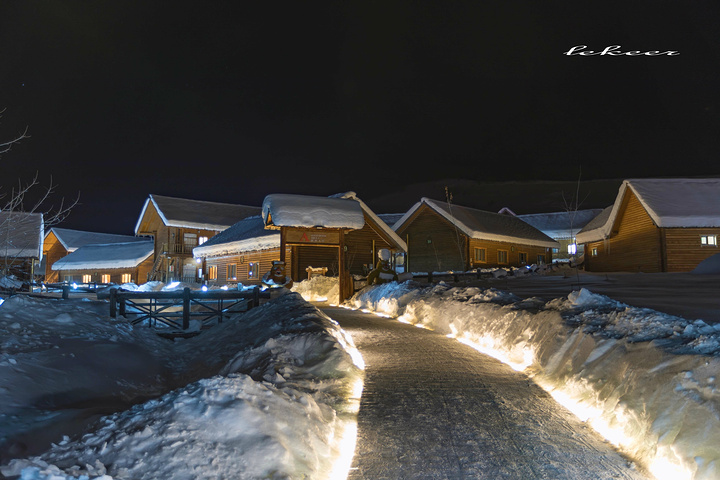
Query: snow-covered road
point(434, 408)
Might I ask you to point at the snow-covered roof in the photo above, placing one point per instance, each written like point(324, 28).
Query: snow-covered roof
point(559, 225)
point(74, 239)
point(289, 210)
point(21, 234)
point(670, 203)
point(390, 218)
point(106, 256)
point(185, 213)
point(246, 235)
point(482, 225)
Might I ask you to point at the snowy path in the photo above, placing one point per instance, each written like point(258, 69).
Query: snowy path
point(433, 408)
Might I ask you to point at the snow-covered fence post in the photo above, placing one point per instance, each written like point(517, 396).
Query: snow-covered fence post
point(65, 292)
point(113, 306)
point(256, 298)
point(186, 309)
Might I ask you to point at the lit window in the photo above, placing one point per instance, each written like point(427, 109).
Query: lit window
point(709, 240)
point(232, 271)
point(572, 249)
point(126, 278)
point(594, 252)
point(522, 256)
point(105, 278)
point(480, 255)
point(202, 240)
point(555, 250)
point(212, 272)
point(253, 270)
point(87, 279)
point(502, 256)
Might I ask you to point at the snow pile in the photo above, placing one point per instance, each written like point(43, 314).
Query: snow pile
point(319, 289)
point(644, 379)
point(272, 393)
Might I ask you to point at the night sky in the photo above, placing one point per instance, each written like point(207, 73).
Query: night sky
point(231, 101)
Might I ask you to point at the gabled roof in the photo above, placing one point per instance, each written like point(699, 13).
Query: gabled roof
point(21, 234)
point(561, 224)
point(106, 256)
point(482, 225)
point(344, 210)
point(74, 239)
point(182, 212)
point(670, 203)
point(246, 235)
point(390, 218)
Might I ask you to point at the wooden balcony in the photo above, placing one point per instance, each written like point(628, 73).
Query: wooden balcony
point(178, 248)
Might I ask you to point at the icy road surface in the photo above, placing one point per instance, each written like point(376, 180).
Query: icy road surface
point(433, 408)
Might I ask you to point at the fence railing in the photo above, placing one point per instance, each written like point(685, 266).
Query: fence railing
point(175, 309)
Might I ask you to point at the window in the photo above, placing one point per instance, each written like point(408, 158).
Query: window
point(202, 240)
point(708, 240)
point(87, 279)
point(555, 250)
point(540, 259)
point(67, 278)
point(253, 270)
point(572, 249)
point(480, 254)
point(594, 252)
point(522, 256)
point(502, 256)
point(126, 278)
point(212, 272)
point(105, 278)
point(232, 271)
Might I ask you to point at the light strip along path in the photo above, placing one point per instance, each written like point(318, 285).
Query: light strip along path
point(433, 408)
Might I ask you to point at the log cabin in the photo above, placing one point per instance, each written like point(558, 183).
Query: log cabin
point(562, 227)
point(443, 237)
point(60, 242)
point(118, 263)
point(21, 244)
point(655, 225)
point(177, 226)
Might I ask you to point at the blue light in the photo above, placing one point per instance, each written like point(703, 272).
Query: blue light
point(204, 288)
point(74, 285)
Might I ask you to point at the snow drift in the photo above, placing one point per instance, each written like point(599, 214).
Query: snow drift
point(644, 379)
point(270, 394)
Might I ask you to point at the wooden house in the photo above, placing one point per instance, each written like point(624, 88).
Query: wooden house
point(119, 263)
point(444, 237)
point(178, 225)
point(60, 242)
point(655, 225)
point(21, 244)
point(562, 227)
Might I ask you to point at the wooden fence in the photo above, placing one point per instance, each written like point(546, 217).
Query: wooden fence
point(176, 308)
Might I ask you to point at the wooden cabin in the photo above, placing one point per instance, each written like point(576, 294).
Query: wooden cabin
point(21, 244)
point(562, 227)
point(60, 242)
point(177, 226)
point(655, 225)
point(443, 237)
point(241, 254)
point(118, 263)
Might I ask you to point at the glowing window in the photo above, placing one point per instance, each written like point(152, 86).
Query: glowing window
point(708, 240)
point(87, 279)
point(572, 249)
point(212, 272)
point(594, 252)
point(202, 240)
point(126, 278)
point(105, 278)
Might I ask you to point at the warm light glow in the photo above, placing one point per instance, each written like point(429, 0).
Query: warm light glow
point(520, 361)
point(667, 465)
point(345, 444)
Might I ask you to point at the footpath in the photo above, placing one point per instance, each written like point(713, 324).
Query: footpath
point(433, 408)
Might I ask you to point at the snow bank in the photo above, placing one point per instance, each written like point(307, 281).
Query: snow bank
point(319, 289)
point(644, 379)
point(272, 393)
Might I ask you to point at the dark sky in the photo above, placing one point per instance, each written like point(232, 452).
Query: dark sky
point(230, 101)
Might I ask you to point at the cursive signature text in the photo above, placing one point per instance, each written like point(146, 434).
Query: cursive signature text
point(614, 50)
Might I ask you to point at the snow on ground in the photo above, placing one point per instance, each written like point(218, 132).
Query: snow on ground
point(645, 380)
point(319, 289)
point(273, 393)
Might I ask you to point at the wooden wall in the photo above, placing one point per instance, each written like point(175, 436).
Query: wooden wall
point(264, 257)
point(683, 249)
point(138, 274)
point(513, 254)
point(634, 245)
point(55, 251)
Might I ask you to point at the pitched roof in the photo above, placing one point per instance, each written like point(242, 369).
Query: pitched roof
point(246, 235)
point(482, 225)
point(21, 234)
point(670, 203)
point(106, 256)
point(182, 212)
point(561, 224)
point(390, 218)
point(74, 239)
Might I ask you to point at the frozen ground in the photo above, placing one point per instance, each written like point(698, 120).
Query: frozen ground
point(645, 380)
